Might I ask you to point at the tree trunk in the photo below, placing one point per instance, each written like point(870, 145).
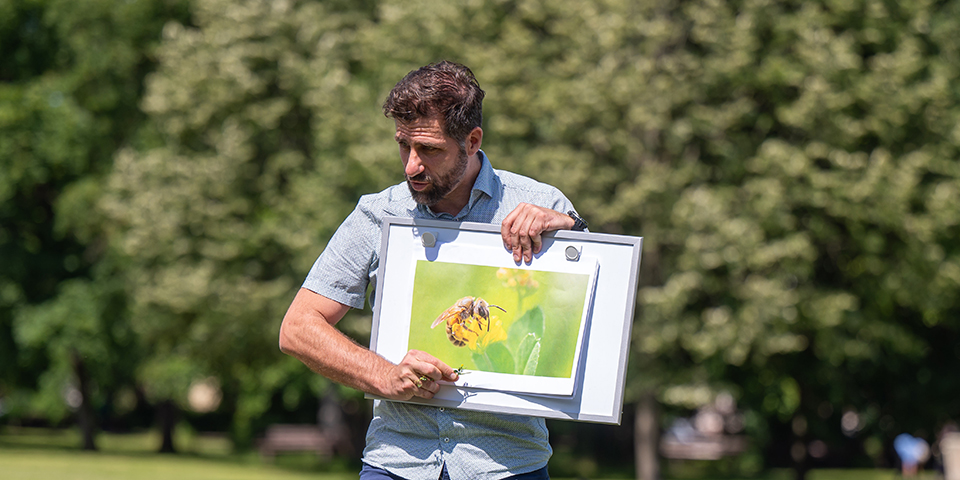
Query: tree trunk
point(646, 436)
point(332, 423)
point(801, 459)
point(800, 470)
point(85, 416)
point(167, 413)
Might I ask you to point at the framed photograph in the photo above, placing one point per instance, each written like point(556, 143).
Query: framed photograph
point(520, 332)
point(497, 322)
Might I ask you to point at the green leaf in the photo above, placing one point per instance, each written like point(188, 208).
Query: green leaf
point(500, 357)
point(482, 362)
point(524, 349)
point(530, 323)
point(533, 360)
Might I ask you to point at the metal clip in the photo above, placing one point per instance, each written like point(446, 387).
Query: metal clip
point(428, 239)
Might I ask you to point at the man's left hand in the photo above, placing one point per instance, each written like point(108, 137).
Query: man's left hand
point(522, 228)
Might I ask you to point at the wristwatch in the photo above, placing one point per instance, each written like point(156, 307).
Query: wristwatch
point(579, 224)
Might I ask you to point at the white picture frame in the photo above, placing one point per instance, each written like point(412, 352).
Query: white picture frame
point(588, 279)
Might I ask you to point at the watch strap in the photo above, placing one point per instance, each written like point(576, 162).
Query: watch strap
point(579, 224)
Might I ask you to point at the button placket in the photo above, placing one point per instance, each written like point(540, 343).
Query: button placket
point(445, 431)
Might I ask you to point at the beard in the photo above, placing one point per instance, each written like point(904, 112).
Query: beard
point(440, 185)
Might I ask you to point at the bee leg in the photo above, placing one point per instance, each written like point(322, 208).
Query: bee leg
point(468, 329)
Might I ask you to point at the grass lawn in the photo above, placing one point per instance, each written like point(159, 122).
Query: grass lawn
point(24, 464)
point(44, 454)
point(41, 454)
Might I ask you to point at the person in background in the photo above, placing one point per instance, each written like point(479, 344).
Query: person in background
point(913, 453)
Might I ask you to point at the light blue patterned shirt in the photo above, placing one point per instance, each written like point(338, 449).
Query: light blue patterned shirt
point(414, 441)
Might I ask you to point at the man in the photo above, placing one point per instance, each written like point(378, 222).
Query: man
point(437, 111)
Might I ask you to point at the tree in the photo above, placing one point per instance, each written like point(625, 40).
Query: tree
point(261, 154)
point(70, 81)
point(83, 334)
point(795, 181)
point(792, 167)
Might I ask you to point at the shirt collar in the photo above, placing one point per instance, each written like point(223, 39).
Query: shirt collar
point(486, 183)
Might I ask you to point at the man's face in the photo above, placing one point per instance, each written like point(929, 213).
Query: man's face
point(433, 163)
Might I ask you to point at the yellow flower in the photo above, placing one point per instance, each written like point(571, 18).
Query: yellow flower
point(513, 278)
point(496, 333)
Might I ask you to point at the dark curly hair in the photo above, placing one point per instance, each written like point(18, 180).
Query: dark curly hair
point(444, 88)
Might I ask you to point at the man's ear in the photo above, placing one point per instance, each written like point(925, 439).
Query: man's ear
point(474, 140)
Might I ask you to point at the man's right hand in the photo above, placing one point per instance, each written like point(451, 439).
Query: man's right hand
point(416, 376)
point(308, 333)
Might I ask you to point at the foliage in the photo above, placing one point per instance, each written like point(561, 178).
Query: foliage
point(793, 170)
point(70, 79)
point(221, 222)
point(82, 322)
point(809, 220)
point(792, 167)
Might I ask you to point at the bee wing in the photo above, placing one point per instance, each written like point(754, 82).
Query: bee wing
point(444, 316)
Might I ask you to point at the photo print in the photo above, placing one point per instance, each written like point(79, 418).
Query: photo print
point(510, 329)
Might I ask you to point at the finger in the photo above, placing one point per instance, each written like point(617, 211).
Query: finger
point(424, 387)
point(517, 251)
point(426, 392)
point(447, 372)
point(537, 243)
point(440, 370)
point(515, 223)
point(536, 227)
point(526, 242)
point(409, 373)
point(427, 384)
point(430, 368)
point(506, 229)
point(526, 245)
point(516, 241)
point(519, 238)
point(429, 389)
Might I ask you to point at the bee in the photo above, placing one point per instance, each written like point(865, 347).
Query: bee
point(466, 319)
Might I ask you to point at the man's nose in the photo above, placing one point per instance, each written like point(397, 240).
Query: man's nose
point(414, 164)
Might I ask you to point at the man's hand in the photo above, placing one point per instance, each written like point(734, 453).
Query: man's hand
point(308, 333)
point(416, 376)
point(522, 228)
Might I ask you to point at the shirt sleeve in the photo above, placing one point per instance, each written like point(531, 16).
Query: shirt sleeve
point(344, 268)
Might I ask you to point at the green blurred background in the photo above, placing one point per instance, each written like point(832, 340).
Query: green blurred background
point(170, 169)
